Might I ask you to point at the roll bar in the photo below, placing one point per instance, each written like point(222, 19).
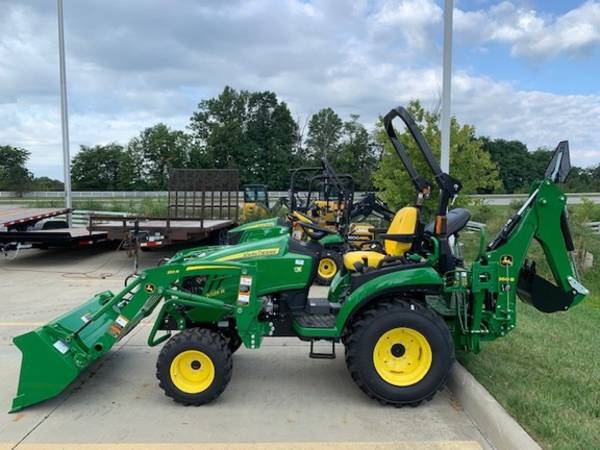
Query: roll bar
point(293, 175)
point(326, 172)
point(449, 187)
point(447, 184)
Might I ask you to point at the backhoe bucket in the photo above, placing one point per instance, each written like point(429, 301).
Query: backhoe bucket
point(55, 354)
point(546, 296)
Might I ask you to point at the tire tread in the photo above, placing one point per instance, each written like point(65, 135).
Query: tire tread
point(202, 336)
point(362, 321)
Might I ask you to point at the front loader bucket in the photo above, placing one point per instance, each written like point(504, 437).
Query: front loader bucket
point(45, 373)
point(55, 354)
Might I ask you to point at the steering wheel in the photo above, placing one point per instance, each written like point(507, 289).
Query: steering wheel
point(315, 232)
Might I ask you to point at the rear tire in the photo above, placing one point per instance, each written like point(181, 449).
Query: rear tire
point(399, 352)
point(329, 265)
point(194, 366)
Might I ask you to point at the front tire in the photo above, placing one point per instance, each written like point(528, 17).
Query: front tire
point(399, 352)
point(194, 366)
point(233, 340)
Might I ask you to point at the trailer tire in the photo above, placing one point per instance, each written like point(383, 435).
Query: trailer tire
point(194, 366)
point(399, 352)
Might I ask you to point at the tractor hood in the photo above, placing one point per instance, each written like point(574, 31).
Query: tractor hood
point(264, 223)
point(257, 230)
point(265, 247)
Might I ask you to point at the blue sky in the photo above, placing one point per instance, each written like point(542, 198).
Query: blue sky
point(573, 72)
point(524, 70)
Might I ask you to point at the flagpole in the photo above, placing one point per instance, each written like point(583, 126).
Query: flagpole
point(64, 110)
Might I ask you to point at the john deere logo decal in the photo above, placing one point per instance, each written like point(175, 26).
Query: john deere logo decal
point(251, 254)
point(149, 288)
point(506, 260)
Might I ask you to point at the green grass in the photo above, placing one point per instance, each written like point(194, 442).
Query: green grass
point(546, 373)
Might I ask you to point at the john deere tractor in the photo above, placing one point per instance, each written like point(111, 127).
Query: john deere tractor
point(256, 201)
point(400, 311)
point(330, 204)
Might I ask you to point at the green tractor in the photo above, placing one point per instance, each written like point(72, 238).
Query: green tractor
point(400, 310)
point(329, 203)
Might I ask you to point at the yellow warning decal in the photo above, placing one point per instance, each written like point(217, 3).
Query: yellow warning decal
point(505, 279)
point(259, 225)
point(190, 268)
point(251, 254)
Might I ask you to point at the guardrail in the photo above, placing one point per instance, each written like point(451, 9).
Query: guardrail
point(594, 226)
point(492, 199)
point(80, 217)
point(86, 194)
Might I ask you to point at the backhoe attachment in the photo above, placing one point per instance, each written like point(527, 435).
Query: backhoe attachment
point(544, 218)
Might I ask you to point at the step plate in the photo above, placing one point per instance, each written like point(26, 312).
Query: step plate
point(315, 320)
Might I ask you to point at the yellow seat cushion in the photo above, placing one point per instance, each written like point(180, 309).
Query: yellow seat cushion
point(372, 259)
point(405, 222)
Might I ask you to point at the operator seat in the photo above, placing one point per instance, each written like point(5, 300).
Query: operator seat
point(456, 220)
point(403, 226)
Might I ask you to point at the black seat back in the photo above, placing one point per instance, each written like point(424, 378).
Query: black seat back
point(457, 219)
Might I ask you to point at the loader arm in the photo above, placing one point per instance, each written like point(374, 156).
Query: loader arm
point(55, 354)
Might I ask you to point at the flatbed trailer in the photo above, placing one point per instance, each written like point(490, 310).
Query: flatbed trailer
point(156, 232)
point(24, 218)
point(20, 227)
point(202, 203)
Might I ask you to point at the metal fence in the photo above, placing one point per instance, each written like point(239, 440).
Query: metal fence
point(491, 199)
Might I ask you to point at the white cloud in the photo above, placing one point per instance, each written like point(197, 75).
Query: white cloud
point(531, 34)
point(132, 64)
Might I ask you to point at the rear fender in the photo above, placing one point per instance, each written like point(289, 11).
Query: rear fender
point(421, 280)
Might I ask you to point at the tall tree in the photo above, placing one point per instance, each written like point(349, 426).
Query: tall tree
point(325, 129)
point(159, 149)
point(47, 184)
point(513, 161)
point(469, 162)
point(217, 129)
point(251, 131)
point(99, 167)
point(356, 154)
point(14, 176)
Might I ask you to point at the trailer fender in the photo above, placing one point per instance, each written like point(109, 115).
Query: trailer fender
point(421, 280)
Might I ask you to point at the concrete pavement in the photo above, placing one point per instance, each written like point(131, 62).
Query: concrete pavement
point(277, 395)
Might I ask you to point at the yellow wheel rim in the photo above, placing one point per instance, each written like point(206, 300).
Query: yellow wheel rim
point(402, 356)
point(192, 371)
point(327, 268)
